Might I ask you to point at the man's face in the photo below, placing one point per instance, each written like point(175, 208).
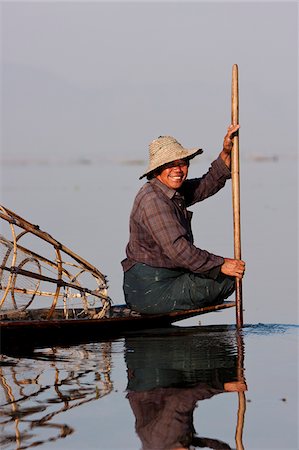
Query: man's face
point(174, 174)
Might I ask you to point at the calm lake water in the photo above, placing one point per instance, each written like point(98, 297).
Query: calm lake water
point(154, 390)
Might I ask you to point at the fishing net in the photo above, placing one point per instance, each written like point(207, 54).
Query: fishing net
point(47, 275)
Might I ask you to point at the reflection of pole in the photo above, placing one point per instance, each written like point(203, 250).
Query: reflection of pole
point(241, 394)
point(240, 422)
point(236, 190)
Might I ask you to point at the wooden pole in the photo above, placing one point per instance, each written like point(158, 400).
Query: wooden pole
point(236, 190)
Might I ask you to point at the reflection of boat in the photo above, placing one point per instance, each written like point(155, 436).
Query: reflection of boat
point(70, 293)
point(169, 373)
point(35, 395)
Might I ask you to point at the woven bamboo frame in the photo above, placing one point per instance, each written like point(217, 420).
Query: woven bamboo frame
point(67, 272)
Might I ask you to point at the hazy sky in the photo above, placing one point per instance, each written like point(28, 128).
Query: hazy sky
point(104, 78)
point(101, 80)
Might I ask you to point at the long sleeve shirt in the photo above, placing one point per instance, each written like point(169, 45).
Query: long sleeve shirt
point(160, 224)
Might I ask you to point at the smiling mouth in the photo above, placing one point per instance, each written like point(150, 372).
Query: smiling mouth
point(176, 177)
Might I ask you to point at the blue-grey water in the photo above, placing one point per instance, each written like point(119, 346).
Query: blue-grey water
point(91, 395)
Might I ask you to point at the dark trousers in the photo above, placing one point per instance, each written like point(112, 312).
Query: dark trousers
point(152, 290)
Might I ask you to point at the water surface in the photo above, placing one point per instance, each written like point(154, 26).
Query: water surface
point(156, 389)
point(89, 396)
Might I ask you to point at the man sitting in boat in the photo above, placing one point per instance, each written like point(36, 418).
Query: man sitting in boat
point(164, 271)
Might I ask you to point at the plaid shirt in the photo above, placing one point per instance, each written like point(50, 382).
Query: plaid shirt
point(160, 224)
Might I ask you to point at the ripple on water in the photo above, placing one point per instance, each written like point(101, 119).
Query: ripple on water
point(269, 328)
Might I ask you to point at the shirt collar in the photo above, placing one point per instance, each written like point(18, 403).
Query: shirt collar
point(170, 193)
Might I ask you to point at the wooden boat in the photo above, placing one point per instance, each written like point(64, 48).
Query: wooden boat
point(33, 324)
point(61, 297)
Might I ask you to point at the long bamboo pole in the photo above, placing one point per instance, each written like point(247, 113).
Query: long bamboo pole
point(236, 190)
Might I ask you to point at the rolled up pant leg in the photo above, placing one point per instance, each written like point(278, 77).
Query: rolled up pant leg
point(154, 290)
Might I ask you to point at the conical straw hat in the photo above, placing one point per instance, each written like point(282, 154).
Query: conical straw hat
point(166, 149)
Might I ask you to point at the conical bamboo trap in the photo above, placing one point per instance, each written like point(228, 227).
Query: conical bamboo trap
point(53, 278)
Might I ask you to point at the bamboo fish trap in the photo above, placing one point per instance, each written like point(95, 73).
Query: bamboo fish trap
point(52, 278)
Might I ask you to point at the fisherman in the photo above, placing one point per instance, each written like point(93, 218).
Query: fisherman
point(164, 271)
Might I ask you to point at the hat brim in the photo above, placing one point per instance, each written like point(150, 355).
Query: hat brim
point(190, 154)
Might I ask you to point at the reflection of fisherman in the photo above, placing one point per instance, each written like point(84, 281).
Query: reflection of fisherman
point(167, 376)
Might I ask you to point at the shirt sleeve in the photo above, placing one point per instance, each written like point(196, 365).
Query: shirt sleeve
point(198, 189)
point(161, 219)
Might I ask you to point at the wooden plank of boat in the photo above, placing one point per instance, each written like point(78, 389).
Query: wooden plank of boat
point(31, 329)
point(21, 328)
point(116, 315)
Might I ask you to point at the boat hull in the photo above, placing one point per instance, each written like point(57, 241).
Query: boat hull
point(17, 333)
